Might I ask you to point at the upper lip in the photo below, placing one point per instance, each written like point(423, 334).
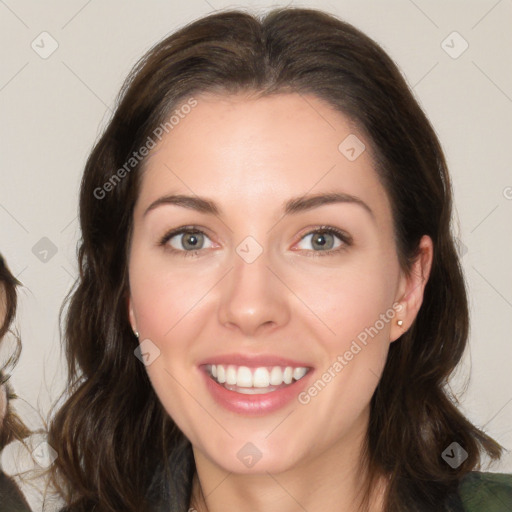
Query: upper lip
point(256, 360)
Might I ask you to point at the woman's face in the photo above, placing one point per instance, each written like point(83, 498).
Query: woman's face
point(257, 286)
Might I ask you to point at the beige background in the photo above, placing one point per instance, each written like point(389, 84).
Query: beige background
point(52, 110)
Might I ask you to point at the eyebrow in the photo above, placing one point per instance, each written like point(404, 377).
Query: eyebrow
point(290, 207)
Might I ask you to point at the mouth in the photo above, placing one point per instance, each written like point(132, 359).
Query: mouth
point(254, 384)
point(255, 380)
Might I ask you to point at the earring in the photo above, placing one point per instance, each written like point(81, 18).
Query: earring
point(400, 323)
point(136, 334)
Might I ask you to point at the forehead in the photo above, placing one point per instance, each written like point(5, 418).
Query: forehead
point(249, 151)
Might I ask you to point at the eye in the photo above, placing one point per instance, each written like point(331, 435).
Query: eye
point(187, 240)
point(324, 239)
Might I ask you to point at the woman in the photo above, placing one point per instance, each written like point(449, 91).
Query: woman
point(11, 427)
point(270, 301)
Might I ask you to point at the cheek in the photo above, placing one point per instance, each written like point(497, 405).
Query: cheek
point(170, 304)
point(165, 300)
point(361, 314)
point(349, 298)
point(163, 294)
point(353, 358)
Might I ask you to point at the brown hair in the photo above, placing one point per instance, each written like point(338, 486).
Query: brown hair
point(12, 427)
point(112, 432)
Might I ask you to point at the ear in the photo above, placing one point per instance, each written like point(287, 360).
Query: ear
point(411, 288)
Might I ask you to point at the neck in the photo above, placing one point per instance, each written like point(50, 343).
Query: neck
point(332, 480)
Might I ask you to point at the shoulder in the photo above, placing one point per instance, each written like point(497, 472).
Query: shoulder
point(486, 492)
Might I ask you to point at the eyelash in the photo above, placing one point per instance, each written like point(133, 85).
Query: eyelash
point(344, 237)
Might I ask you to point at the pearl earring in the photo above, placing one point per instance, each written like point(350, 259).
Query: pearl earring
point(400, 323)
point(136, 334)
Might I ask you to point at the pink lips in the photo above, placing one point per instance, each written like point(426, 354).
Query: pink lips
point(259, 404)
point(253, 361)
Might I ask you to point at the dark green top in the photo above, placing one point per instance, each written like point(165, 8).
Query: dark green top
point(486, 492)
point(477, 492)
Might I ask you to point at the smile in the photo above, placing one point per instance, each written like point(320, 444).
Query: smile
point(260, 380)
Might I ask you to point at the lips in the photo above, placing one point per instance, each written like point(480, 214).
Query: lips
point(256, 384)
point(254, 360)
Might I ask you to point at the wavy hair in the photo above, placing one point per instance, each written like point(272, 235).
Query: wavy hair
point(112, 433)
point(12, 427)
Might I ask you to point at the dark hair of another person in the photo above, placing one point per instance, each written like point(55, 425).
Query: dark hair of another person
point(112, 431)
point(12, 427)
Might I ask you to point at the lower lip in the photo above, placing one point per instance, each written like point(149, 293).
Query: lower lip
point(259, 404)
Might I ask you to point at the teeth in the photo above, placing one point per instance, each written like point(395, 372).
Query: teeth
point(261, 377)
point(276, 376)
point(244, 377)
point(221, 374)
point(231, 375)
point(298, 373)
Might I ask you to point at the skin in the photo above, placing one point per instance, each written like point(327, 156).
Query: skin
point(250, 156)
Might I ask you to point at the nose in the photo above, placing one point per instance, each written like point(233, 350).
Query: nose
point(253, 299)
